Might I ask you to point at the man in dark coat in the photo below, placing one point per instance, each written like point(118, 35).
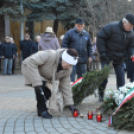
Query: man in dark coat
point(78, 39)
point(114, 41)
point(25, 46)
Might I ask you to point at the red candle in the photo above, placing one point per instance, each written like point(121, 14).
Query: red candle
point(133, 59)
point(99, 117)
point(90, 115)
point(75, 113)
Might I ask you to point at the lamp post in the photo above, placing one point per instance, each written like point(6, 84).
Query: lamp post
point(22, 22)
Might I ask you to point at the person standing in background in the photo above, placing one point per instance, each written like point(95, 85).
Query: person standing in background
point(61, 39)
point(7, 52)
point(26, 46)
point(35, 45)
point(0, 55)
point(95, 62)
point(79, 39)
point(15, 51)
point(48, 40)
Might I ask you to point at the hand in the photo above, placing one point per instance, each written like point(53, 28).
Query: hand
point(90, 59)
point(3, 57)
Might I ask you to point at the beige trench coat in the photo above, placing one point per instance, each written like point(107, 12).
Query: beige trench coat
point(43, 66)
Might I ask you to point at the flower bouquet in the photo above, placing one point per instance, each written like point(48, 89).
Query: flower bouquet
point(123, 101)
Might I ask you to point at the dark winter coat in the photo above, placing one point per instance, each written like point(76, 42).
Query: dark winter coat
point(80, 42)
point(34, 48)
point(7, 50)
point(0, 49)
point(25, 47)
point(15, 49)
point(114, 42)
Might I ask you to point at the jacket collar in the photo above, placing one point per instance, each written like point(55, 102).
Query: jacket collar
point(83, 31)
point(58, 55)
point(122, 27)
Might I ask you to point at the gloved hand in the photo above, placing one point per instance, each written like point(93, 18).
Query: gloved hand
point(104, 58)
point(72, 108)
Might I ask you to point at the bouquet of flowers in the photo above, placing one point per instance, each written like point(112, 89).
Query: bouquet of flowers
point(115, 97)
point(122, 102)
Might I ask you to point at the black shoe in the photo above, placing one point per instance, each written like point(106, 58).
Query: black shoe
point(45, 114)
point(72, 108)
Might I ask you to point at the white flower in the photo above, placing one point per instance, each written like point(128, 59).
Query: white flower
point(129, 85)
point(121, 97)
point(123, 90)
point(109, 93)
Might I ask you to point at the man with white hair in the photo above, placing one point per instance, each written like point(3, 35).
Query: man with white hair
point(50, 65)
point(114, 41)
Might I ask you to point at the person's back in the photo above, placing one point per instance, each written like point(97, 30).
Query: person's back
point(117, 43)
point(48, 41)
point(114, 41)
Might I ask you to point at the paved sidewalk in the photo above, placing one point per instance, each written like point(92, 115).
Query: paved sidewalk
point(18, 112)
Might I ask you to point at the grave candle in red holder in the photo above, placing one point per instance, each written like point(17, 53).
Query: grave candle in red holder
point(133, 59)
point(98, 117)
point(90, 115)
point(75, 113)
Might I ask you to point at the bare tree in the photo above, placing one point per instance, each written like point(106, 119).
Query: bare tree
point(100, 12)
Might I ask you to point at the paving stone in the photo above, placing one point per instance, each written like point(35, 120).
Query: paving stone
point(73, 130)
point(40, 129)
point(99, 132)
point(62, 130)
point(29, 129)
point(48, 125)
point(20, 115)
point(51, 130)
point(85, 131)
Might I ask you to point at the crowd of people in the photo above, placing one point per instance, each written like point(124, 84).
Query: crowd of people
point(72, 52)
point(45, 41)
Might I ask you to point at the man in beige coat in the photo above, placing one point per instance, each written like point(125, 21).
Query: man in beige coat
point(50, 66)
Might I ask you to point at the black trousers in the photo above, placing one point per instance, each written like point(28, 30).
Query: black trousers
point(120, 77)
point(42, 95)
point(0, 63)
point(13, 66)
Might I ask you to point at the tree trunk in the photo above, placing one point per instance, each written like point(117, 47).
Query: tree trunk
point(55, 26)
